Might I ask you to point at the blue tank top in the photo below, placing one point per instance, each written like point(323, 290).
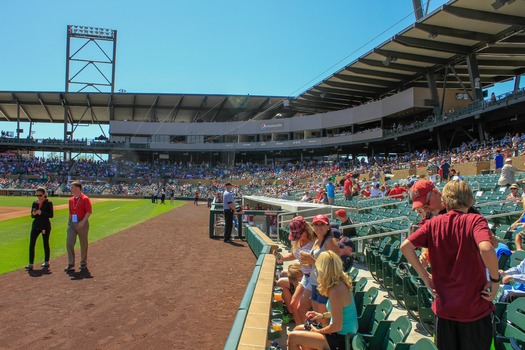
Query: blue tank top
point(349, 317)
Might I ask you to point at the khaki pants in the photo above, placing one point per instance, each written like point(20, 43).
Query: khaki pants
point(71, 239)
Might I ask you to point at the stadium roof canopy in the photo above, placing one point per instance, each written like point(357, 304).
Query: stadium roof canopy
point(104, 107)
point(439, 45)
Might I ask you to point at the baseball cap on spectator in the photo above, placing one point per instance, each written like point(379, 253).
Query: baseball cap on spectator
point(419, 192)
point(348, 175)
point(346, 242)
point(321, 218)
point(514, 186)
point(508, 160)
point(228, 184)
point(340, 212)
point(297, 226)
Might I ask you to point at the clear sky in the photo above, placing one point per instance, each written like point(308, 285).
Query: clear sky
point(270, 47)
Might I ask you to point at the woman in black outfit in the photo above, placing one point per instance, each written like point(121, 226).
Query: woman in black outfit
point(41, 212)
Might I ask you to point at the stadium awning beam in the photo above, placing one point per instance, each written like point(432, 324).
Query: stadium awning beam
point(312, 94)
point(219, 109)
point(504, 51)
point(202, 105)
point(363, 80)
point(4, 114)
point(45, 108)
point(133, 108)
point(259, 109)
point(377, 73)
point(394, 66)
point(492, 17)
point(347, 86)
point(177, 108)
point(453, 32)
point(411, 56)
point(327, 100)
point(345, 92)
point(331, 96)
point(432, 45)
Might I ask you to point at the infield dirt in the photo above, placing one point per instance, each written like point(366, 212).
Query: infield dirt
point(162, 284)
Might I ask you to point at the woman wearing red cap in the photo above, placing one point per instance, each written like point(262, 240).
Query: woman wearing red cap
point(325, 242)
point(302, 237)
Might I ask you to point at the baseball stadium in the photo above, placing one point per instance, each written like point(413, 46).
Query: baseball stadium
point(199, 203)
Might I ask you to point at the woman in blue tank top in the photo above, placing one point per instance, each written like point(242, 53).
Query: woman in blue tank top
point(334, 284)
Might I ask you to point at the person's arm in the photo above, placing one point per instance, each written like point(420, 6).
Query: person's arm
point(409, 251)
point(490, 259)
point(331, 244)
point(517, 222)
point(86, 218)
point(519, 242)
point(336, 296)
point(47, 210)
point(33, 210)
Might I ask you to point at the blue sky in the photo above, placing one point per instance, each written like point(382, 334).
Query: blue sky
point(268, 47)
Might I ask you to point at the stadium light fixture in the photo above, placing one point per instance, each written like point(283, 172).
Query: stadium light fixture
point(388, 60)
point(497, 4)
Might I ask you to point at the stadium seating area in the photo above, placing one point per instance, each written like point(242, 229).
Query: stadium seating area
point(279, 180)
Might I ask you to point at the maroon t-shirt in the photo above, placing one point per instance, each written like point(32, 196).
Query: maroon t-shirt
point(458, 272)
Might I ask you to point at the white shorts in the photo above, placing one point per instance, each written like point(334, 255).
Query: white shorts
point(305, 282)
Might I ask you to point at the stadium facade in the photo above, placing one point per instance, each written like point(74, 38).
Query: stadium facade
point(423, 88)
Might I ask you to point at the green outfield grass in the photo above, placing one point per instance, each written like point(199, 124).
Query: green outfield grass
point(108, 217)
point(20, 201)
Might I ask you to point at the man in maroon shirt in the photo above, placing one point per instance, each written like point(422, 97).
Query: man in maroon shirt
point(79, 212)
point(460, 251)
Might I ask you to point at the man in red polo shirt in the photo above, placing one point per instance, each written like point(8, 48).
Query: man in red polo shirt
point(461, 252)
point(347, 186)
point(79, 212)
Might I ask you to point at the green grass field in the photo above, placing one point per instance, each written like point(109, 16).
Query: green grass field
point(108, 217)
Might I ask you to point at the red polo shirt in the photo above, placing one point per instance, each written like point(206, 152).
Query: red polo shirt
point(458, 271)
point(79, 206)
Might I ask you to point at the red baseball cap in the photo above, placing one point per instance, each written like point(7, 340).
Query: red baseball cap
point(297, 226)
point(340, 212)
point(321, 218)
point(419, 193)
point(348, 175)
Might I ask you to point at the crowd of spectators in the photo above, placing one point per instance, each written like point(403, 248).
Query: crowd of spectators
point(276, 179)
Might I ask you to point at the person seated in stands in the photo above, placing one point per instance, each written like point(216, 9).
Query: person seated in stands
point(455, 175)
point(346, 221)
point(374, 190)
point(355, 191)
point(335, 285)
point(397, 191)
point(382, 191)
point(520, 236)
point(514, 280)
point(346, 248)
point(302, 237)
point(306, 197)
point(289, 282)
point(514, 195)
